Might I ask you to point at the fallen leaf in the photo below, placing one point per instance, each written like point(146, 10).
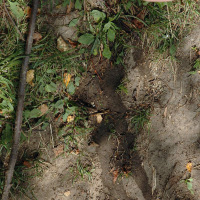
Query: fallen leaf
point(43, 109)
point(27, 164)
point(58, 150)
point(27, 11)
point(30, 77)
point(70, 6)
point(70, 118)
point(73, 44)
point(99, 118)
point(115, 175)
point(62, 45)
point(140, 17)
point(66, 79)
point(37, 37)
point(189, 167)
point(67, 193)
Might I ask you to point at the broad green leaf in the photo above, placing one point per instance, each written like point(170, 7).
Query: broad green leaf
point(78, 5)
point(111, 35)
point(65, 116)
point(16, 10)
point(77, 79)
point(189, 185)
point(59, 104)
point(51, 87)
point(35, 113)
point(98, 15)
point(107, 26)
point(107, 53)
point(86, 39)
point(74, 22)
point(95, 47)
point(71, 88)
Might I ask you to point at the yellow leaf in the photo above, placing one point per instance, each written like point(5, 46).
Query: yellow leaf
point(70, 118)
point(189, 167)
point(67, 193)
point(115, 175)
point(30, 77)
point(99, 118)
point(62, 45)
point(43, 108)
point(66, 79)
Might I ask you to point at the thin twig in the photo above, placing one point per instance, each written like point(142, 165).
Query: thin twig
point(14, 24)
point(20, 105)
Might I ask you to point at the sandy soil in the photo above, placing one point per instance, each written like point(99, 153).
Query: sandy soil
point(171, 140)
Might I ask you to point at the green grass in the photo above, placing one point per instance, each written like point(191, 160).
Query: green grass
point(140, 119)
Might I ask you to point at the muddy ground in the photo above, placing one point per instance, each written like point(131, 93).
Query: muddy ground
point(151, 164)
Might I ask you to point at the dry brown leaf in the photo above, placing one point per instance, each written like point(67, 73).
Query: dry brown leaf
point(115, 175)
point(99, 118)
point(189, 167)
point(140, 16)
point(58, 150)
point(27, 11)
point(62, 45)
point(27, 164)
point(67, 193)
point(43, 109)
point(66, 79)
point(70, 118)
point(70, 7)
point(30, 77)
point(37, 37)
point(73, 44)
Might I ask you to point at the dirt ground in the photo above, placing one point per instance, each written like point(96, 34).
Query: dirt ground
point(169, 141)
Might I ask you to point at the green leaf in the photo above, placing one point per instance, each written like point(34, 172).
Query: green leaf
point(78, 5)
point(111, 35)
point(51, 87)
point(65, 116)
point(107, 26)
point(74, 22)
point(107, 53)
point(16, 10)
point(189, 185)
point(77, 79)
point(59, 104)
point(35, 113)
point(71, 88)
point(95, 47)
point(98, 15)
point(86, 39)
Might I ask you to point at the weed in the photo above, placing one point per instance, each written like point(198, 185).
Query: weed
point(82, 171)
point(102, 30)
point(140, 118)
point(188, 182)
point(122, 89)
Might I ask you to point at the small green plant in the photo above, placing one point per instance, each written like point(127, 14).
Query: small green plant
point(102, 30)
point(140, 118)
point(83, 171)
point(196, 67)
point(122, 89)
point(188, 182)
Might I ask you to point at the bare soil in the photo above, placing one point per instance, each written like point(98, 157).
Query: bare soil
point(165, 145)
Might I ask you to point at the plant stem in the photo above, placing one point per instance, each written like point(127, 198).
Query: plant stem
point(20, 105)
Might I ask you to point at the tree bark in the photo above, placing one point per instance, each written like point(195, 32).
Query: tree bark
point(20, 105)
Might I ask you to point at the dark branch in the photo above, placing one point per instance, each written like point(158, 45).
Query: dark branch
point(20, 105)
